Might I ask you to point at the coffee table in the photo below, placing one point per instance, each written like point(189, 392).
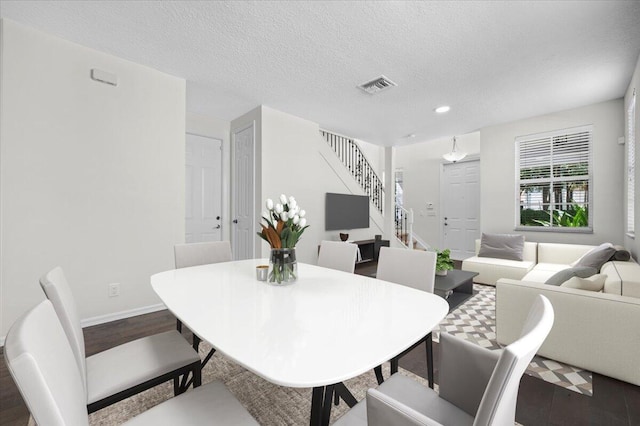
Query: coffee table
point(456, 287)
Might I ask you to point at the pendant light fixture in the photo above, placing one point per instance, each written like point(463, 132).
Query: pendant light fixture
point(455, 155)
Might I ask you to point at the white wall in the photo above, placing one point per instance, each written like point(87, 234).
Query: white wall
point(293, 164)
point(632, 243)
point(91, 175)
point(374, 155)
point(421, 164)
point(497, 174)
point(216, 128)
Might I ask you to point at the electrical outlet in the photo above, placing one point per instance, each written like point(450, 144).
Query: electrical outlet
point(114, 289)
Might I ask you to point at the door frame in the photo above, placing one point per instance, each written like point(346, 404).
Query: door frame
point(467, 159)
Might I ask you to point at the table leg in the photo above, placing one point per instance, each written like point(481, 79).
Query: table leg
point(317, 404)
point(429, 343)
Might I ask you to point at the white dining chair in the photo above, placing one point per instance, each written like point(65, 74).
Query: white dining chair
point(478, 386)
point(338, 255)
point(125, 370)
point(42, 363)
point(415, 269)
point(196, 254)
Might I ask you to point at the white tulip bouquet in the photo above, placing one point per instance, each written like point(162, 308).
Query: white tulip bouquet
point(285, 223)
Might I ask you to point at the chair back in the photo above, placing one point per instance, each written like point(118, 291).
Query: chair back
point(412, 268)
point(498, 405)
point(194, 254)
point(43, 366)
point(338, 255)
point(57, 290)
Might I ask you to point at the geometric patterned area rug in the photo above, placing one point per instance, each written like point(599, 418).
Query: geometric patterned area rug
point(475, 320)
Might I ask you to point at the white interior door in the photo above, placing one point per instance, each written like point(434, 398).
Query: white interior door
point(243, 189)
point(203, 189)
point(460, 191)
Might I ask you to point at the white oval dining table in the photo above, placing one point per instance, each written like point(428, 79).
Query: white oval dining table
point(324, 328)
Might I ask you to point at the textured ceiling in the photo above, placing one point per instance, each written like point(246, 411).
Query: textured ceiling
point(493, 61)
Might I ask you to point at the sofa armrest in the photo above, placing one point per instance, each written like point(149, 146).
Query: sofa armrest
point(592, 330)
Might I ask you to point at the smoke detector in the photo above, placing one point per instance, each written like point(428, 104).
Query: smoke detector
point(377, 85)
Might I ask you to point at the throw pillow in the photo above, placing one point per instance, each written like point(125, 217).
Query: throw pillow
point(621, 254)
point(593, 283)
point(597, 257)
point(578, 271)
point(502, 246)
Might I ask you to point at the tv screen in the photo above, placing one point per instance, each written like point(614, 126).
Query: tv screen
point(346, 211)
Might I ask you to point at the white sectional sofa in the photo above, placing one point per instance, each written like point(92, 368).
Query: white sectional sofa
point(597, 331)
point(491, 270)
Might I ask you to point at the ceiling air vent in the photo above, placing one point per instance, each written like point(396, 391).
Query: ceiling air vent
point(377, 85)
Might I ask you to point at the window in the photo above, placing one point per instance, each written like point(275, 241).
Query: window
point(554, 180)
point(631, 166)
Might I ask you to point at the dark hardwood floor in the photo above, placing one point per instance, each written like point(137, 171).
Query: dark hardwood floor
point(539, 403)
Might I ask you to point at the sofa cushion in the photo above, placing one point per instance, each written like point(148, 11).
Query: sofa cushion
point(502, 246)
point(593, 283)
point(597, 257)
point(543, 271)
point(491, 270)
point(577, 271)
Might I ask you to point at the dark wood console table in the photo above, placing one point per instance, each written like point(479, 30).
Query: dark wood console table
point(370, 249)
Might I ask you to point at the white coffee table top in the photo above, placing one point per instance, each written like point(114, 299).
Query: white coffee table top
point(326, 327)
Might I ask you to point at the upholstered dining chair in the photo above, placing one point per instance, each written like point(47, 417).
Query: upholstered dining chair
point(196, 254)
point(478, 386)
point(43, 365)
point(125, 370)
point(411, 268)
point(338, 255)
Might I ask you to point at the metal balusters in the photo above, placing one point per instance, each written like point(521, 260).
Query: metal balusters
point(354, 160)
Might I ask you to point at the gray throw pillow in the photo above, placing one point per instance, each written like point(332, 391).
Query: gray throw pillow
point(502, 246)
point(621, 254)
point(597, 257)
point(577, 271)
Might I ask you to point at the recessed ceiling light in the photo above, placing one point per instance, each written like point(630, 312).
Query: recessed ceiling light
point(442, 109)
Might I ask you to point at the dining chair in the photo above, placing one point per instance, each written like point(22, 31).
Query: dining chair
point(196, 254)
point(478, 386)
point(125, 370)
point(415, 269)
point(338, 255)
point(42, 362)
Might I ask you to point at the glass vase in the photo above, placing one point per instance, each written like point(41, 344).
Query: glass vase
point(283, 267)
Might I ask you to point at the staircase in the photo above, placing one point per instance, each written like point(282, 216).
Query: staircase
point(354, 160)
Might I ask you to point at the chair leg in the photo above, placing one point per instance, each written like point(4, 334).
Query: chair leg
point(179, 326)
point(379, 377)
point(177, 390)
point(429, 343)
point(197, 376)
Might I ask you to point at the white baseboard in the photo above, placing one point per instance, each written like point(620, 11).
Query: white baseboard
point(102, 319)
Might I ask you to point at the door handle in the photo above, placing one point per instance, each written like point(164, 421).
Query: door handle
point(217, 227)
point(445, 224)
point(235, 220)
point(217, 217)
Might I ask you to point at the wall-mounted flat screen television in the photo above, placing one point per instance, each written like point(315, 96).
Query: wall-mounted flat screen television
point(346, 211)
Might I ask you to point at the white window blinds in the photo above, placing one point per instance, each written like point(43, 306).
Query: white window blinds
point(554, 179)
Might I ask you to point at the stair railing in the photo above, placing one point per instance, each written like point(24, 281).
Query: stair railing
point(404, 230)
point(354, 160)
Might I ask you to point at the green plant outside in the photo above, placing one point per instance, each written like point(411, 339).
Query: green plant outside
point(574, 217)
